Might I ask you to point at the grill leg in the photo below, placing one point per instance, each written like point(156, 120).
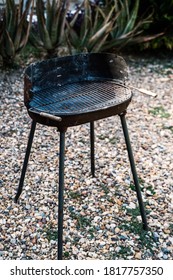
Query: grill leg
point(133, 168)
point(61, 194)
point(28, 150)
point(92, 149)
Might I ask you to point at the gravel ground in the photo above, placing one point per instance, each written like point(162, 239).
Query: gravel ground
point(101, 218)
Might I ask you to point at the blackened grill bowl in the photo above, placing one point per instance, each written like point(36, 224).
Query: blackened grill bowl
point(79, 88)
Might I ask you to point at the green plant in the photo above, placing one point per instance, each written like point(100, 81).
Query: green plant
point(158, 43)
point(171, 228)
point(66, 254)
point(51, 234)
point(89, 27)
point(82, 221)
point(48, 34)
point(75, 195)
point(128, 27)
point(91, 231)
point(112, 140)
point(14, 28)
point(169, 127)
point(105, 188)
point(114, 24)
point(148, 188)
point(159, 111)
point(102, 137)
point(29, 54)
point(146, 238)
point(123, 253)
point(162, 22)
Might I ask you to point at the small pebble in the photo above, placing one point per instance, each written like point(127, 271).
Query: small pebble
point(138, 256)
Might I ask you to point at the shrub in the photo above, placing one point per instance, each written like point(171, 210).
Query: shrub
point(48, 33)
point(106, 25)
point(128, 27)
point(14, 28)
point(162, 22)
point(89, 27)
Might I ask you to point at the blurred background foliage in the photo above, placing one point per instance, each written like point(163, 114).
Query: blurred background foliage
point(162, 22)
point(62, 27)
point(48, 31)
point(15, 23)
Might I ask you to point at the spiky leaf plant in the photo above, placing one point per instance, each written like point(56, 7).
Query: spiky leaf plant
point(15, 25)
point(106, 25)
point(48, 34)
point(89, 27)
point(128, 27)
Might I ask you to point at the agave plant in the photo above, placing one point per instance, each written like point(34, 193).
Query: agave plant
point(15, 25)
point(162, 23)
point(48, 34)
point(89, 27)
point(128, 27)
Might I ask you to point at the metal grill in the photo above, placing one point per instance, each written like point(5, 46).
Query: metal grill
point(81, 97)
point(74, 90)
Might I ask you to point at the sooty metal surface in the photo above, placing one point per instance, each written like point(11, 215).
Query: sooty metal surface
point(81, 97)
point(78, 89)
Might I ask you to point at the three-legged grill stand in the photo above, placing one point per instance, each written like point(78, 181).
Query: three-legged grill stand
point(61, 175)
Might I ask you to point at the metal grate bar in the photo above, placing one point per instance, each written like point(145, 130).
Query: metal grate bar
point(79, 97)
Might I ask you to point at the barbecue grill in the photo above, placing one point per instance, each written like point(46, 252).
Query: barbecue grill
point(73, 90)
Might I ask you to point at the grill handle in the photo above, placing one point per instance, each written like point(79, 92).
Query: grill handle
point(52, 117)
point(46, 115)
